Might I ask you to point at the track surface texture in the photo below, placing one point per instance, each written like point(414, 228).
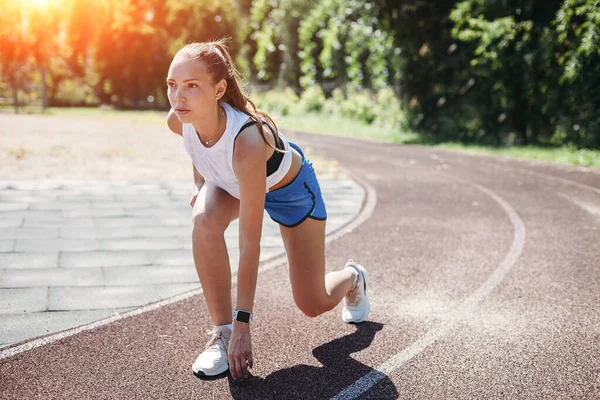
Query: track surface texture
point(484, 282)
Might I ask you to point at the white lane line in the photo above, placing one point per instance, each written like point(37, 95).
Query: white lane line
point(365, 212)
point(382, 371)
point(563, 180)
point(527, 172)
point(590, 208)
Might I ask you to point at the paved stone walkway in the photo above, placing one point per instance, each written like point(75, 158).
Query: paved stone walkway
point(76, 252)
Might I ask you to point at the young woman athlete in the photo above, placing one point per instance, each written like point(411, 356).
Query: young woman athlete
point(242, 166)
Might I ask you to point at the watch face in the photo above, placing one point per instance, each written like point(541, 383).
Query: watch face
point(243, 316)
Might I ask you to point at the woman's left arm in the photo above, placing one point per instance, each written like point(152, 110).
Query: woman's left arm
point(250, 170)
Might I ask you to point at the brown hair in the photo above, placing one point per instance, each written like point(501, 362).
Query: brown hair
point(218, 61)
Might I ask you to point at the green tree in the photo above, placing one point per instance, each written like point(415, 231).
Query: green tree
point(511, 64)
point(139, 37)
point(578, 52)
point(272, 40)
point(348, 42)
point(13, 53)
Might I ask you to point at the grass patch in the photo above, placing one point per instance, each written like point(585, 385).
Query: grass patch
point(341, 126)
point(109, 113)
point(565, 155)
point(96, 113)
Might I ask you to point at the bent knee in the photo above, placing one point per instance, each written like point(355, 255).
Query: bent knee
point(207, 227)
point(311, 308)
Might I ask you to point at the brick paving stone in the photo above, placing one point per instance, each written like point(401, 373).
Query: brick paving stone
point(7, 246)
point(86, 259)
point(271, 241)
point(59, 205)
point(169, 290)
point(96, 232)
point(152, 213)
point(163, 243)
point(126, 205)
point(164, 231)
point(10, 222)
point(10, 207)
point(184, 220)
point(99, 297)
point(16, 327)
point(28, 260)
point(60, 223)
point(34, 214)
point(146, 275)
point(15, 301)
point(173, 257)
point(22, 278)
point(55, 245)
point(115, 212)
point(29, 233)
point(16, 195)
point(135, 222)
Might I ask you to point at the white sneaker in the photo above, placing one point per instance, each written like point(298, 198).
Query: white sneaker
point(356, 305)
point(213, 360)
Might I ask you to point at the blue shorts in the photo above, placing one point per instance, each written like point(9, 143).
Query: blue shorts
point(291, 204)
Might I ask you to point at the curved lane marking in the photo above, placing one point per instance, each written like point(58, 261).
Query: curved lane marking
point(563, 180)
point(590, 208)
point(382, 371)
point(366, 210)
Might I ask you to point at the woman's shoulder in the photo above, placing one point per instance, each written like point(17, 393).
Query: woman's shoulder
point(234, 110)
point(237, 119)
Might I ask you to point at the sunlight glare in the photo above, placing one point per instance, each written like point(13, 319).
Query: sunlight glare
point(35, 3)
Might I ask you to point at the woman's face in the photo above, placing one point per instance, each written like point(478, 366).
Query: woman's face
point(191, 91)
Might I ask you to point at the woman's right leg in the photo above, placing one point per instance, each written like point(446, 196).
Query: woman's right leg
point(212, 213)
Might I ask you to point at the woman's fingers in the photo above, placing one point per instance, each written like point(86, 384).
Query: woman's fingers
point(250, 360)
point(234, 367)
point(244, 365)
point(240, 354)
point(238, 365)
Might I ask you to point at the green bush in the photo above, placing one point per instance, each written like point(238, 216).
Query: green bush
point(333, 105)
point(388, 109)
point(313, 99)
point(359, 105)
point(277, 102)
point(71, 92)
point(380, 109)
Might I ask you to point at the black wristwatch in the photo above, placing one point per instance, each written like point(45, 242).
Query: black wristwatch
point(243, 316)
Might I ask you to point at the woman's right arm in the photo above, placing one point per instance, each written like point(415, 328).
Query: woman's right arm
point(176, 127)
point(174, 123)
point(198, 182)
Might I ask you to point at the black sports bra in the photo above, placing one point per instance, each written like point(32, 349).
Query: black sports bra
point(275, 160)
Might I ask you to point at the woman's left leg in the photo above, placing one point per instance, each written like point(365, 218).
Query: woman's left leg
point(314, 292)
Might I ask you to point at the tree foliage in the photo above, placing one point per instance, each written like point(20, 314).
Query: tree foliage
point(488, 71)
point(106, 51)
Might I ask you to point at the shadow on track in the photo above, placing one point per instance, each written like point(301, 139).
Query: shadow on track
point(308, 382)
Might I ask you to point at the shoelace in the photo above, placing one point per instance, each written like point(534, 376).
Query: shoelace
point(216, 335)
point(352, 297)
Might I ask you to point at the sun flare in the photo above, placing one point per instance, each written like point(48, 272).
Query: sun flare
point(36, 2)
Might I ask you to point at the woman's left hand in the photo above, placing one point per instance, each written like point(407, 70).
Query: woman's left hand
point(240, 351)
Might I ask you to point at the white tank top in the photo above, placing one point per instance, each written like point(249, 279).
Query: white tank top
point(215, 163)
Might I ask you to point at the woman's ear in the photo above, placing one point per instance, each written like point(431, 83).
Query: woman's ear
point(221, 88)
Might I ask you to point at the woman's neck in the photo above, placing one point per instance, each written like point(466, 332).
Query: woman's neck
point(211, 129)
